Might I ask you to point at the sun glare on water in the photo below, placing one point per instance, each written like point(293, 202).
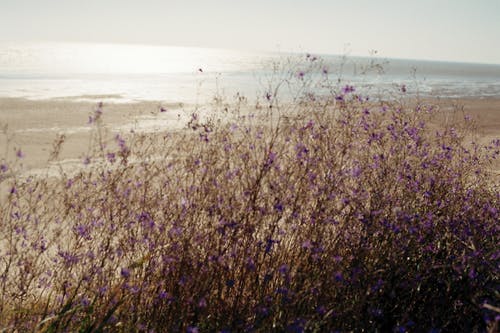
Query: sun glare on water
point(73, 58)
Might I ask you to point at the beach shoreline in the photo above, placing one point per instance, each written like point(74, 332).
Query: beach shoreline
point(34, 125)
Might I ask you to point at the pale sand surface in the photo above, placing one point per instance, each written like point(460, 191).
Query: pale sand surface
point(33, 125)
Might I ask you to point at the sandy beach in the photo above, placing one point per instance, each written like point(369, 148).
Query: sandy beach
point(34, 125)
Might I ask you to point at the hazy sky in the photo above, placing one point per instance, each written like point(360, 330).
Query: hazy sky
point(457, 30)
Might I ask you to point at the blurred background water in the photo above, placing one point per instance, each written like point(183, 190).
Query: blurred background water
point(125, 73)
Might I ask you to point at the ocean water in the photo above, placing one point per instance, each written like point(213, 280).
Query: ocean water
point(124, 73)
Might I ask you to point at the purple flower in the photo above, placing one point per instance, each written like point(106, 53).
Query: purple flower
point(20, 153)
point(356, 171)
point(121, 142)
point(251, 264)
point(111, 157)
point(472, 274)
point(348, 89)
point(125, 272)
point(85, 302)
point(4, 167)
point(81, 230)
point(192, 329)
point(321, 310)
point(270, 159)
point(202, 303)
point(283, 269)
point(69, 259)
point(269, 245)
point(162, 109)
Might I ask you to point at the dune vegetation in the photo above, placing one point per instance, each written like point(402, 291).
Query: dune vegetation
point(330, 211)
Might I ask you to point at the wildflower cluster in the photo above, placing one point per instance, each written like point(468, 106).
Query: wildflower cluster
point(332, 213)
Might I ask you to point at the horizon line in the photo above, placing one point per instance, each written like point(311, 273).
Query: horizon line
point(376, 54)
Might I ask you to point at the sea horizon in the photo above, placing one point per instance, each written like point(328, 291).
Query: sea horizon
point(124, 73)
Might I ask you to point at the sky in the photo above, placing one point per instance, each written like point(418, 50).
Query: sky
point(449, 30)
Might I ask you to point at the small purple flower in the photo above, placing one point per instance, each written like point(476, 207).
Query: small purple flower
point(283, 269)
point(307, 244)
point(348, 89)
point(111, 157)
point(85, 302)
point(270, 159)
point(472, 274)
point(20, 153)
point(269, 245)
point(69, 259)
point(81, 230)
point(4, 167)
point(356, 171)
point(121, 142)
point(251, 264)
point(321, 310)
point(202, 303)
point(162, 109)
point(301, 74)
point(192, 329)
point(125, 272)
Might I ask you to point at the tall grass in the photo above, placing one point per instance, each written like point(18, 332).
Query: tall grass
point(329, 212)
